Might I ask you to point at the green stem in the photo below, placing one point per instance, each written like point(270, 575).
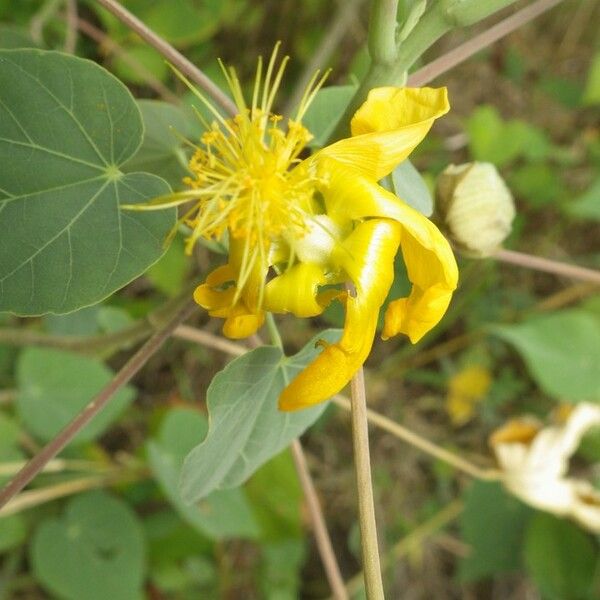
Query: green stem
point(273, 331)
point(366, 506)
point(438, 20)
point(382, 31)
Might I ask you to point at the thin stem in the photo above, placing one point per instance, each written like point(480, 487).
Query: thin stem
point(421, 443)
point(366, 506)
point(110, 46)
point(192, 334)
point(39, 20)
point(131, 367)
point(273, 331)
point(32, 498)
point(171, 54)
point(330, 564)
point(549, 266)
point(71, 22)
point(461, 53)
point(335, 32)
point(57, 465)
point(416, 537)
point(104, 343)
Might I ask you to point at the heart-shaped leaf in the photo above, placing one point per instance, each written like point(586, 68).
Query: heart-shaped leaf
point(94, 552)
point(53, 386)
point(246, 427)
point(66, 128)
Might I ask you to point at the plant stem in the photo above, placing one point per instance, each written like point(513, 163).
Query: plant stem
point(71, 24)
point(382, 32)
point(421, 443)
point(412, 540)
point(273, 331)
point(171, 54)
point(549, 266)
point(192, 334)
point(461, 53)
point(332, 569)
point(438, 20)
point(129, 369)
point(366, 506)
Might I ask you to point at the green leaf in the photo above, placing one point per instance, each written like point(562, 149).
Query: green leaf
point(162, 151)
point(560, 558)
point(222, 514)
point(15, 37)
point(66, 128)
point(561, 351)
point(280, 573)
point(53, 386)
point(500, 142)
point(13, 532)
point(492, 524)
point(587, 206)
point(591, 94)
point(326, 110)
point(410, 187)
point(246, 428)
point(95, 551)
point(170, 273)
point(150, 59)
point(277, 498)
point(538, 184)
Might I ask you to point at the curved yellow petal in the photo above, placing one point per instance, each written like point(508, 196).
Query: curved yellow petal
point(209, 296)
point(432, 270)
point(387, 128)
point(241, 323)
point(295, 291)
point(367, 256)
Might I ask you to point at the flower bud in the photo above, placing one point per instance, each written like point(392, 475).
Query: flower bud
point(476, 207)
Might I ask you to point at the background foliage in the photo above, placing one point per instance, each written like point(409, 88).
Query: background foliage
point(110, 511)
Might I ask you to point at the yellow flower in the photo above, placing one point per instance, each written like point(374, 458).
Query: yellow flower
point(301, 229)
point(466, 389)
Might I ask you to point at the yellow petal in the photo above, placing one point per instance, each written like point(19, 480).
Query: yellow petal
point(295, 291)
point(367, 256)
point(209, 296)
point(427, 254)
point(241, 323)
point(387, 127)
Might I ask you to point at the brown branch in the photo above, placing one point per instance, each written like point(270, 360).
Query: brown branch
point(332, 569)
point(131, 367)
point(171, 54)
point(549, 266)
point(461, 53)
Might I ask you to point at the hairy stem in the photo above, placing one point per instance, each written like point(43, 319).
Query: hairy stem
point(131, 367)
point(366, 506)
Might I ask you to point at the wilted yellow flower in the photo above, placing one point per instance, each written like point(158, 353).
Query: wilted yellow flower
point(534, 461)
point(465, 389)
point(300, 229)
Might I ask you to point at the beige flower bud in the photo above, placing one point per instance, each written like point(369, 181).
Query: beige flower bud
point(476, 207)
